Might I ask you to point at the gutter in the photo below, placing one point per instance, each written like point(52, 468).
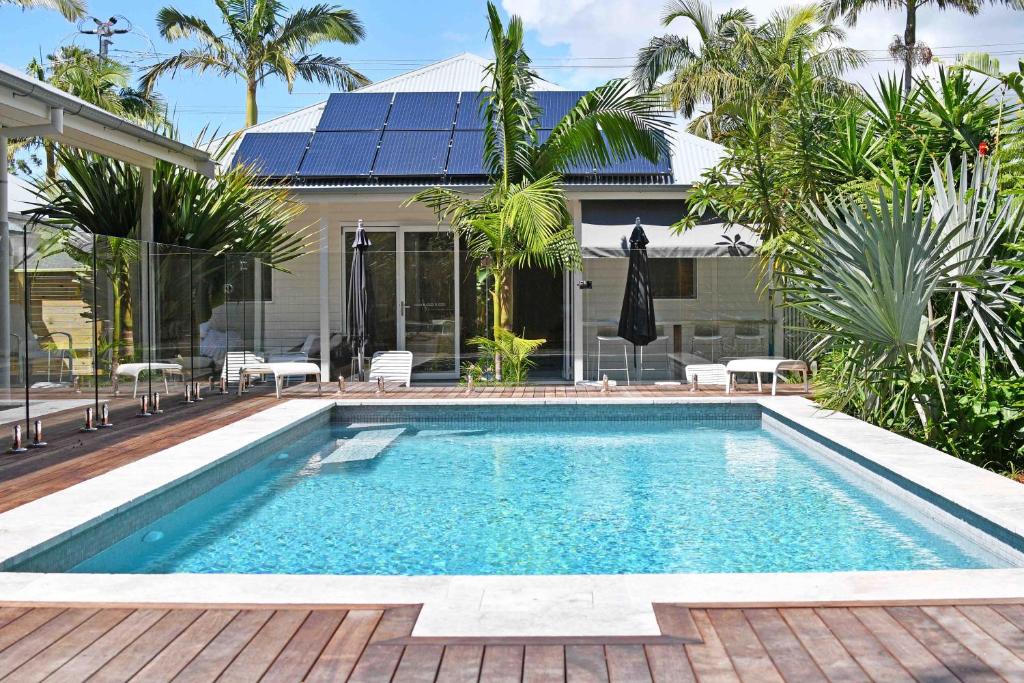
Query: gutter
point(56, 99)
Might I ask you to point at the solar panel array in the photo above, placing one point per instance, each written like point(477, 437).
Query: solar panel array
point(423, 135)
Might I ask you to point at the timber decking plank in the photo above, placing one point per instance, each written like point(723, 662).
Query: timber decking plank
point(502, 664)
point(709, 659)
point(218, 654)
point(996, 626)
point(544, 664)
point(460, 664)
point(822, 645)
point(301, 652)
point(397, 622)
point(863, 646)
point(676, 621)
point(72, 644)
point(9, 614)
point(378, 663)
point(343, 650)
point(28, 622)
point(748, 656)
point(785, 649)
point(627, 664)
point(585, 664)
point(984, 646)
point(1012, 613)
point(41, 638)
point(82, 665)
point(137, 654)
point(901, 644)
point(669, 664)
point(961, 661)
point(261, 651)
point(187, 645)
point(419, 664)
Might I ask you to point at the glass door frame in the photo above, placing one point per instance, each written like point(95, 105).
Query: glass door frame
point(400, 232)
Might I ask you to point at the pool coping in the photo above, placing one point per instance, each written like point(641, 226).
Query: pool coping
point(517, 605)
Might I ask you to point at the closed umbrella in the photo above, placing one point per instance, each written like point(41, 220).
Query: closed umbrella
point(360, 299)
point(636, 321)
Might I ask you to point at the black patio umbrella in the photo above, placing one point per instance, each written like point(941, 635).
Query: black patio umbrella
point(636, 321)
point(360, 299)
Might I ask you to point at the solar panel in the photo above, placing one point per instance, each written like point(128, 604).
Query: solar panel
point(423, 111)
point(555, 104)
point(576, 169)
point(272, 154)
point(412, 153)
point(348, 153)
point(637, 165)
point(467, 157)
point(355, 111)
point(470, 115)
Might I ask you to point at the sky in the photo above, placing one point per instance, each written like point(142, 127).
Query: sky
point(575, 43)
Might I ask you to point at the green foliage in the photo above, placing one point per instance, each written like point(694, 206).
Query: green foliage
point(261, 41)
point(512, 352)
point(522, 219)
point(71, 9)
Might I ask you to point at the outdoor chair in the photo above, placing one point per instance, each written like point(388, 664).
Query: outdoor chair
point(775, 366)
point(709, 374)
point(601, 367)
point(708, 336)
point(234, 361)
point(392, 366)
point(748, 339)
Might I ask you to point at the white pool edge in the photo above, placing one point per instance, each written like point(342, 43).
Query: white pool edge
point(509, 605)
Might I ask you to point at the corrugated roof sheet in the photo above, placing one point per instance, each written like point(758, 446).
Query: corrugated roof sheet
point(464, 71)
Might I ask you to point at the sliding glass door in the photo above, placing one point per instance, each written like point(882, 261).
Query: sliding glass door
point(429, 315)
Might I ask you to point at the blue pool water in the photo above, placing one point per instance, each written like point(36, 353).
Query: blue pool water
point(534, 497)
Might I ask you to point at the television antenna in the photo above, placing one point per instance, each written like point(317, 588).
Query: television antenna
point(105, 30)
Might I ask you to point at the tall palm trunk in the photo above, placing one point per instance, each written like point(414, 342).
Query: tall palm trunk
point(909, 46)
point(251, 109)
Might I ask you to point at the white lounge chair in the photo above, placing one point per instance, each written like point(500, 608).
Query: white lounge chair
point(762, 365)
point(133, 370)
point(707, 374)
point(234, 361)
point(280, 371)
point(392, 366)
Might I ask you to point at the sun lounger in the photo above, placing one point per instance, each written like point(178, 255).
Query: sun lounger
point(280, 371)
point(392, 366)
point(133, 370)
point(762, 365)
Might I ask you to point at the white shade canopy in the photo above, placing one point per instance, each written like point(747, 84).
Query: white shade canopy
point(607, 225)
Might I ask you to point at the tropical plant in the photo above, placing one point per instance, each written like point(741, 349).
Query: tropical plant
point(522, 218)
point(905, 47)
point(872, 271)
point(1009, 136)
point(508, 355)
point(98, 80)
point(737, 61)
point(71, 9)
point(261, 42)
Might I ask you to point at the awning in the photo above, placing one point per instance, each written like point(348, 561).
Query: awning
point(607, 225)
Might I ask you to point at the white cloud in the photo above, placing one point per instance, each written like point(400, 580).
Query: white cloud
point(618, 28)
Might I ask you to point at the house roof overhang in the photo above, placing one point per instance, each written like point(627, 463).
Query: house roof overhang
point(29, 106)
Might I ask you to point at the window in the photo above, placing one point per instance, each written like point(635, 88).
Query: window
point(241, 278)
point(673, 278)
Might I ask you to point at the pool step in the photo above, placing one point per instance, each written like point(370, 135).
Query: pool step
point(363, 446)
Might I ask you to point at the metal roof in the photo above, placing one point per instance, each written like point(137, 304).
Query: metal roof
point(465, 71)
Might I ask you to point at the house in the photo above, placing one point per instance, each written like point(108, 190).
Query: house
point(360, 155)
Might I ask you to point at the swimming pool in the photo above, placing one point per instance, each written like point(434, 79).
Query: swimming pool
point(552, 490)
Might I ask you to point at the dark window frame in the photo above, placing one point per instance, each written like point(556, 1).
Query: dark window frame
point(679, 292)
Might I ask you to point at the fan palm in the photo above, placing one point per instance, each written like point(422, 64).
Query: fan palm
point(906, 48)
point(738, 61)
point(71, 9)
point(261, 42)
point(870, 271)
point(522, 219)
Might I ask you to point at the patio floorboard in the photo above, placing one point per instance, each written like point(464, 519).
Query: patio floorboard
point(359, 644)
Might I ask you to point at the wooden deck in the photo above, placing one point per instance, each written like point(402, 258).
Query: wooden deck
point(905, 643)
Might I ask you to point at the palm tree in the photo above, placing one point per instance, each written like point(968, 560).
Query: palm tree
point(261, 41)
point(71, 9)
point(738, 62)
point(907, 48)
point(522, 219)
point(98, 80)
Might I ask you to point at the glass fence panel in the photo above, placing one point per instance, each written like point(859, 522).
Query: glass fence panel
point(706, 310)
